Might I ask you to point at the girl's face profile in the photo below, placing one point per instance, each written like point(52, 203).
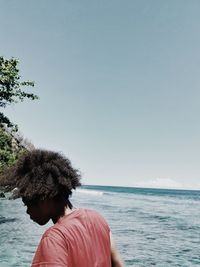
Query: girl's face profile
point(38, 210)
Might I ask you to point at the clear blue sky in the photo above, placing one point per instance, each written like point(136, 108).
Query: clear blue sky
point(119, 85)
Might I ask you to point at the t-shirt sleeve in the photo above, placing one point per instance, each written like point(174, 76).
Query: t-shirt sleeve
point(51, 252)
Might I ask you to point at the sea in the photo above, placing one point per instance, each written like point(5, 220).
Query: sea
point(151, 227)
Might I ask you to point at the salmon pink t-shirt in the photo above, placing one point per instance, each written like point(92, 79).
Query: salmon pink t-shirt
point(79, 239)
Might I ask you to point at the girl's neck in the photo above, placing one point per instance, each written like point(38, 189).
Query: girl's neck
point(66, 212)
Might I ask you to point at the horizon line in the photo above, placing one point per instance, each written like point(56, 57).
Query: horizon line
point(140, 187)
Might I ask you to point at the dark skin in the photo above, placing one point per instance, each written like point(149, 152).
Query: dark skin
point(44, 210)
point(115, 256)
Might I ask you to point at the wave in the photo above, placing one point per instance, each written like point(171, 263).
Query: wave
point(90, 192)
point(5, 220)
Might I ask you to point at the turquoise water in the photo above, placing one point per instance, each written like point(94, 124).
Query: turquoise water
point(152, 227)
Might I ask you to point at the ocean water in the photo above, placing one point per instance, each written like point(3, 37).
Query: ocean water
point(152, 227)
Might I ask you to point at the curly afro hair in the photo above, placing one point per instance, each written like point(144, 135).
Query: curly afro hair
point(41, 174)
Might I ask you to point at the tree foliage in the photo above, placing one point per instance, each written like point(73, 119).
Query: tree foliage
point(12, 144)
point(11, 88)
point(7, 155)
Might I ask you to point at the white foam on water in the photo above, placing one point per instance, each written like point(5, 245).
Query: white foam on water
point(90, 192)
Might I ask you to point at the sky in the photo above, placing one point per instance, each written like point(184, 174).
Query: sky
point(119, 86)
